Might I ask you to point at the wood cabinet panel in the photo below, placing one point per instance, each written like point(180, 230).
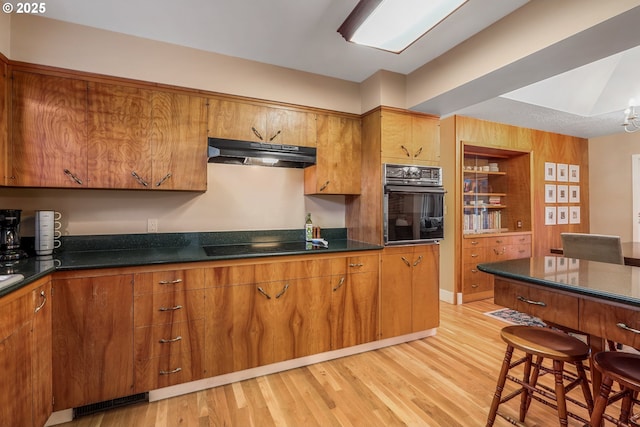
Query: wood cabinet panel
point(409, 289)
point(168, 307)
point(170, 338)
point(168, 370)
point(179, 142)
point(119, 136)
point(606, 322)
point(554, 307)
point(230, 275)
point(338, 158)
point(48, 131)
point(169, 281)
point(5, 99)
point(475, 280)
point(16, 390)
point(354, 309)
point(93, 339)
point(409, 138)
point(291, 127)
point(42, 368)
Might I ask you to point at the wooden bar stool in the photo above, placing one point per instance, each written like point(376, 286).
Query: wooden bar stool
point(623, 368)
point(544, 343)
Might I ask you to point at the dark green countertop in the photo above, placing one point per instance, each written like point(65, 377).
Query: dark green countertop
point(111, 251)
point(619, 283)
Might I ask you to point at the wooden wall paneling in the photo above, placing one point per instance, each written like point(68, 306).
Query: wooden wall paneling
point(556, 148)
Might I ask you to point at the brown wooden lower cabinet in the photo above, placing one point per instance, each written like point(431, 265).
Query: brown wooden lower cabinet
point(92, 339)
point(117, 332)
point(409, 291)
point(25, 356)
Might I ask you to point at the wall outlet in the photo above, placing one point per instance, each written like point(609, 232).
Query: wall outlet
point(518, 224)
point(152, 225)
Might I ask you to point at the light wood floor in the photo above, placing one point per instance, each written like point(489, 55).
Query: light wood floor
point(446, 381)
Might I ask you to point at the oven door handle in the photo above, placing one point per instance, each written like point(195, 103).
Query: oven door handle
point(412, 189)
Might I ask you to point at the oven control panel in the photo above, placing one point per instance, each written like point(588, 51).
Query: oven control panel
point(412, 175)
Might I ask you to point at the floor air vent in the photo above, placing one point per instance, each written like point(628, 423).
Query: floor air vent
point(110, 404)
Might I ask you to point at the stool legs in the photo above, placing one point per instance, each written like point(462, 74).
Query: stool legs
point(601, 401)
point(502, 379)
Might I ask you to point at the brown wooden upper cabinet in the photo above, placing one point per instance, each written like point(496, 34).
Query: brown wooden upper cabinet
point(409, 138)
point(146, 139)
point(48, 131)
point(68, 132)
point(338, 166)
point(258, 123)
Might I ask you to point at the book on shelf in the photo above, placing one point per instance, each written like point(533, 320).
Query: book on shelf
point(483, 220)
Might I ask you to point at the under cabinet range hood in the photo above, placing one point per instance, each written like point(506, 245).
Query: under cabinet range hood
point(255, 153)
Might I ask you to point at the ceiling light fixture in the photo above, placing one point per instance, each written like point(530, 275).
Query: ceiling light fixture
point(393, 25)
point(631, 121)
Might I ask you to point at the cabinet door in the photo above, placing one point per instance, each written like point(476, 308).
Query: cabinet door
point(42, 356)
point(425, 140)
point(5, 158)
point(396, 137)
point(178, 142)
point(354, 309)
point(291, 127)
point(396, 294)
point(235, 120)
point(119, 133)
point(238, 338)
point(300, 318)
point(92, 340)
point(16, 349)
point(425, 280)
point(338, 158)
point(48, 131)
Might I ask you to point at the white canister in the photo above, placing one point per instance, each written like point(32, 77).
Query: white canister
point(47, 230)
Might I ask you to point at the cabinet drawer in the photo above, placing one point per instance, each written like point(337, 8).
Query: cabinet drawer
point(168, 307)
point(354, 264)
point(475, 255)
point(172, 338)
point(549, 306)
point(602, 320)
point(165, 281)
point(475, 280)
point(519, 239)
point(519, 251)
point(14, 312)
point(168, 370)
point(474, 242)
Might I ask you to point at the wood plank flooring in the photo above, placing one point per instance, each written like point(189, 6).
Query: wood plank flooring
point(446, 380)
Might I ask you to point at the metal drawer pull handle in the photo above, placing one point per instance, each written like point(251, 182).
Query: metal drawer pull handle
point(356, 265)
point(339, 285)
point(324, 186)
point(263, 292)
point(474, 255)
point(473, 270)
point(405, 150)
point(44, 301)
point(418, 261)
point(177, 307)
point(163, 341)
point(528, 301)
point(474, 242)
point(255, 131)
point(170, 282)
point(627, 328)
point(286, 286)
point(140, 180)
point(474, 286)
point(498, 241)
point(73, 177)
point(274, 136)
point(406, 261)
point(418, 152)
point(175, 371)
point(164, 178)
point(499, 252)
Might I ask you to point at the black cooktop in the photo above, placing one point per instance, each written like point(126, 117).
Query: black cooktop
point(258, 248)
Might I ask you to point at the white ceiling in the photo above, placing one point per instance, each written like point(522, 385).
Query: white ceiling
point(301, 35)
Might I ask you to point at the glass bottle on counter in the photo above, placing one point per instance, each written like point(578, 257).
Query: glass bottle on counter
point(308, 228)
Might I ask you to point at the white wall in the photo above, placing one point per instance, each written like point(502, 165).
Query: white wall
point(610, 197)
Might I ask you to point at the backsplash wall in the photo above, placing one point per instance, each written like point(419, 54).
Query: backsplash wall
point(238, 198)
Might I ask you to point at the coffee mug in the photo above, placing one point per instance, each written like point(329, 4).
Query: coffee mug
point(48, 231)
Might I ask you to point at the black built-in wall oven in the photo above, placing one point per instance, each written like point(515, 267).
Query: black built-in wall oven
point(413, 204)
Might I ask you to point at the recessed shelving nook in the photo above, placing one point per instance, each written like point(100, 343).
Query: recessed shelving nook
point(496, 190)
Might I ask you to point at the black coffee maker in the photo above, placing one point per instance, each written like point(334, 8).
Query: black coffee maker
point(10, 235)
